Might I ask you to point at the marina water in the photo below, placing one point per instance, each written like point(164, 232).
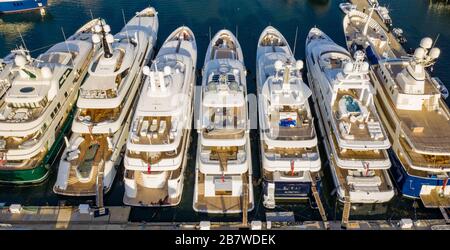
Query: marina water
point(247, 19)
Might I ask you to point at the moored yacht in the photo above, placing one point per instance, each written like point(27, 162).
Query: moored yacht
point(289, 149)
point(37, 107)
point(415, 116)
point(355, 141)
point(156, 153)
point(104, 108)
point(223, 172)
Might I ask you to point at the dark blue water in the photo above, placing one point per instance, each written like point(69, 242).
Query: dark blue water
point(247, 19)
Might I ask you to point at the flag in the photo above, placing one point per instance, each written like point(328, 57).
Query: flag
point(149, 168)
point(292, 167)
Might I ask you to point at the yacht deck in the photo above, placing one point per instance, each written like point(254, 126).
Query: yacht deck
point(218, 203)
point(357, 133)
point(152, 196)
point(154, 131)
point(303, 128)
point(94, 157)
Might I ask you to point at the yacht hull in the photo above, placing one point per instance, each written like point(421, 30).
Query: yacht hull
point(410, 185)
point(41, 171)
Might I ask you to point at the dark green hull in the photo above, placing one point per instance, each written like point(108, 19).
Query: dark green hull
point(41, 172)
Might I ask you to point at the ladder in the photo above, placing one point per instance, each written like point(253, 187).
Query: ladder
point(318, 200)
point(99, 185)
point(346, 212)
point(444, 214)
point(245, 200)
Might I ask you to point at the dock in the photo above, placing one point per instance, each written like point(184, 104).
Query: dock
point(396, 47)
point(68, 217)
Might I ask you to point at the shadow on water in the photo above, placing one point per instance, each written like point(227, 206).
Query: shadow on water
point(249, 18)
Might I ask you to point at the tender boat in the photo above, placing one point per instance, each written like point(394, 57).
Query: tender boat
point(156, 155)
point(355, 141)
point(223, 172)
point(13, 6)
point(288, 140)
point(37, 107)
point(105, 106)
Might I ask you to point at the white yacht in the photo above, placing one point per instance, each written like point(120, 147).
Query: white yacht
point(107, 98)
point(416, 117)
point(156, 153)
point(35, 111)
point(288, 140)
point(223, 173)
point(354, 138)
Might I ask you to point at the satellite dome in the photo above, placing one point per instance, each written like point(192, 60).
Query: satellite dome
point(426, 43)
point(97, 28)
point(46, 72)
point(20, 60)
point(435, 53)
point(146, 70)
point(419, 53)
point(96, 38)
point(299, 64)
point(109, 38)
point(107, 28)
point(278, 65)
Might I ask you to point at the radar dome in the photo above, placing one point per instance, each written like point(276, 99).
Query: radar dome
point(235, 72)
point(20, 60)
point(46, 72)
point(435, 53)
point(426, 43)
point(419, 53)
point(109, 38)
point(299, 64)
point(95, 38)
point(107, 28)
point(97, 28)
point(167, 70)
point(146, 70)
point(278, 65)
point(348, 67)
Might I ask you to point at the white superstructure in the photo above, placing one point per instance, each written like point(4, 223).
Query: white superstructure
point(39, 97)
point(107, 98)
point(355, 140)
point(223, 177)
point(157, 145)
point(289, 149)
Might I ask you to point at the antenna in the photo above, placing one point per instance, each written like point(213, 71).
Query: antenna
point(92, 16)
point(23, 41)
point(435, 40)
point(210, 33)
point(125, 24)
point(295, 40)
point(67, 46)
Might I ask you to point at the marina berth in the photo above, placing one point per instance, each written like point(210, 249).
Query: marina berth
point(156, 151)
point(414, 114)
point(288, 140)
point(223, 173)
point(37, 107)
point(105, 106)
point(354, 137)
